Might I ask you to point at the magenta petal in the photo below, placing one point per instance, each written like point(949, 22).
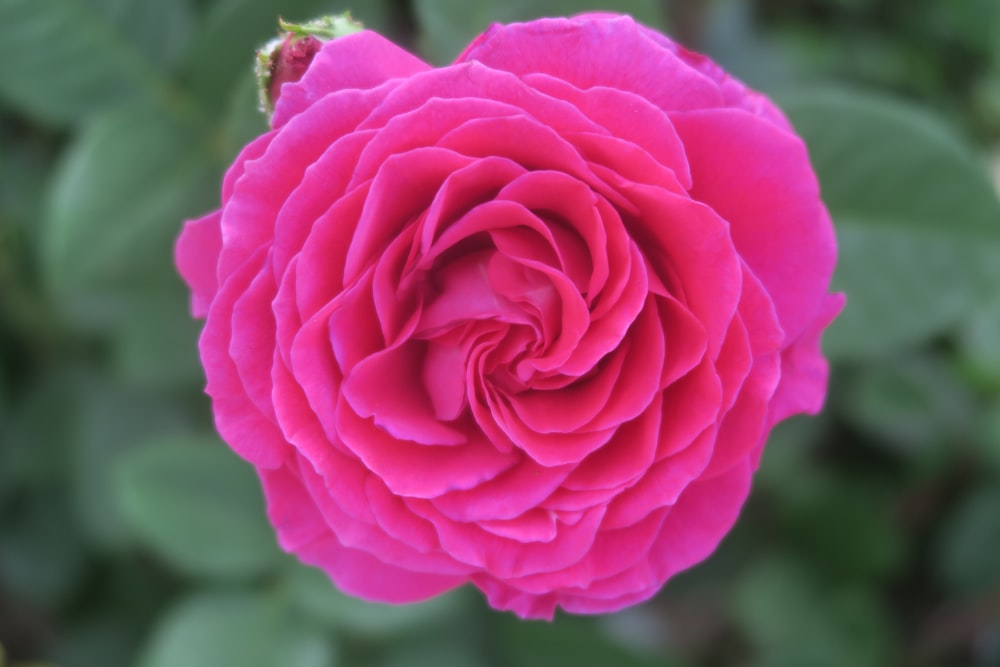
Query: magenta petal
point(699, 521)
point(386, 387)
point(362, 575)
point(362, 60)
point(779, 225)
point(509, 494)
point(362, 531)
point(804, 369)
point(643, 124)
point(241, 424)
point(613, 52)
point(249, 214)
point(502, 557)
point(197, 255)
point(625, 458)
point(404, 466)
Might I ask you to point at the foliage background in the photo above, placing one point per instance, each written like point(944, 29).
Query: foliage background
point(130, 536)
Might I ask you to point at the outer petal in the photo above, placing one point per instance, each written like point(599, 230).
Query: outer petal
point(196, 255)
point(362, 60)
point(613, 52)
point(758, 178)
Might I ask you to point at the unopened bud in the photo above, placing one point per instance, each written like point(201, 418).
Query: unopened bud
point(286, 58)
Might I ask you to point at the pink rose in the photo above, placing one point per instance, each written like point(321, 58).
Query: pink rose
point(524, 321)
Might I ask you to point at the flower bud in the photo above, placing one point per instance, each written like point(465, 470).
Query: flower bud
point(286, 58)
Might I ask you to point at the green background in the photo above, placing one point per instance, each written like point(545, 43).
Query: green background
point(130, 536)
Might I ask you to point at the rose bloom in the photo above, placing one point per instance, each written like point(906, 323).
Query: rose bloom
point(524, 321)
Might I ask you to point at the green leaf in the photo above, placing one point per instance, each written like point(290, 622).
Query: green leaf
point(66, 59)
point(969, 542)
point(117, 202)
point(313, 594)
point(157, 342)
point(909, 406)
point(842, 526)
point(978, 351)
point(568, 640)
point(239, 629)
point(197, 506)
point(42, 560)
point(447, 26)
point(917, 218)
point(113, 421)
point(791, 619)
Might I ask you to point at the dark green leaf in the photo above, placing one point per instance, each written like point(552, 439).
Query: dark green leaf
point(842, 526)
point(969, 542)
point(41, 556)
point(198, 506)
point(792, 620)
point(567, 641)
point(908, 406)
point(66, 59)
point(917, 218)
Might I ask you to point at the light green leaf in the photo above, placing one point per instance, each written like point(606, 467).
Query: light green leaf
point(917, 219)
point(447, 26)
point(198, 507)
point(248, 630)
point(65, 59)
point(118, 200)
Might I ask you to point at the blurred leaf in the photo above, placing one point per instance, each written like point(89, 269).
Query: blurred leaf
point(977, 345)
point(989, 433)
point(238, 629)
point(733, 40)
point(198, 506)
point(447, 26)
point(842, 525)
point(41, 557)
point(98, 641)
point(118, 200)
point(314, 594)
point(157, 342)
point(918, 220)
point(244, 121)
point(789, 446)
point(66, 59)
point(569, 640)
point(113, 421)
point(35, 450)
point(223, 48)
point(433, 654)
point(909, 405)
point(792, 620)
point(969, 542)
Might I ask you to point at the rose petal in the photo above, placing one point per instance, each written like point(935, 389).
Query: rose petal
point(362, 60)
